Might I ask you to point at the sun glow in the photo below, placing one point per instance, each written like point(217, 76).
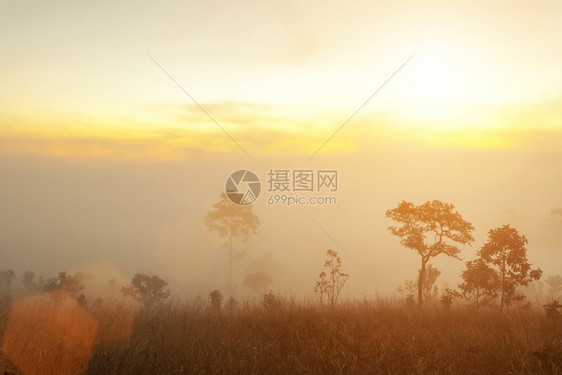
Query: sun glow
point(433, 75)
point(437, 86)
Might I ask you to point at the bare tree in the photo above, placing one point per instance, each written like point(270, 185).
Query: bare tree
point(331, 282)
point(232, 221)
point(431, 229)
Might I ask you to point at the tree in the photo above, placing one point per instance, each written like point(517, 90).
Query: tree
point(232, 221)
point(232, 305)
point(6, 278)
point(551, 310)
point(215, 296)
point(408, 289)
point(72, 284)
point(330, 283)
point(480, 281)
point(448, 296)
point(431, 275)
point(431, 229)
point(429, 287)
point(555, 284)
point(146, 289)
point(506, 251)
point(270, 301)
point(28, 281)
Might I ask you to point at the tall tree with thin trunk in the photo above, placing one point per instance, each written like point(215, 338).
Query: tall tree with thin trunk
point(431, 229)
point(506, 251)
point(232, 221)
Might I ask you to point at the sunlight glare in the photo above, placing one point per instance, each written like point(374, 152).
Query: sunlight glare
point(433, 75)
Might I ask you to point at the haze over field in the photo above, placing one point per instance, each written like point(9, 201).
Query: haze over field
point(108, 167)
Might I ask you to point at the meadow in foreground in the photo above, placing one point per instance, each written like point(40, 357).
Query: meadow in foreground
point(278, 335)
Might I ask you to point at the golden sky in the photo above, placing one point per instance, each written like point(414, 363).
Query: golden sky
point(77, 77)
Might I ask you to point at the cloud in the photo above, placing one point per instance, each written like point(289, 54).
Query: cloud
point(165, 132)
point(183, 135)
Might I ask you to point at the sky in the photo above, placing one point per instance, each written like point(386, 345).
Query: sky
point(109, 164)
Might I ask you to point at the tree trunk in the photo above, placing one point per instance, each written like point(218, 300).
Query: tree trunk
point(421, 278)
point(503, 285)
point(332, 300)
point(477, 299)
point(230, 258)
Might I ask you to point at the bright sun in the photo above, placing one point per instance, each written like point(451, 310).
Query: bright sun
point(433, 75)
point(435, 89)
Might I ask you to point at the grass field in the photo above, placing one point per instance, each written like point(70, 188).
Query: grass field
point(277, 335)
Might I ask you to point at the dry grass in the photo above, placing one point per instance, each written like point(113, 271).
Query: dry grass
point(284, 337)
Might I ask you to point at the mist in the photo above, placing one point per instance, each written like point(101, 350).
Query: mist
point(114, 218)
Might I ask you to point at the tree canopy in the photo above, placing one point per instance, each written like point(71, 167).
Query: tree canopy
point(227, 218)
point(431, 229)
point(480, 282)
point(146, 289)
point(506, 251)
